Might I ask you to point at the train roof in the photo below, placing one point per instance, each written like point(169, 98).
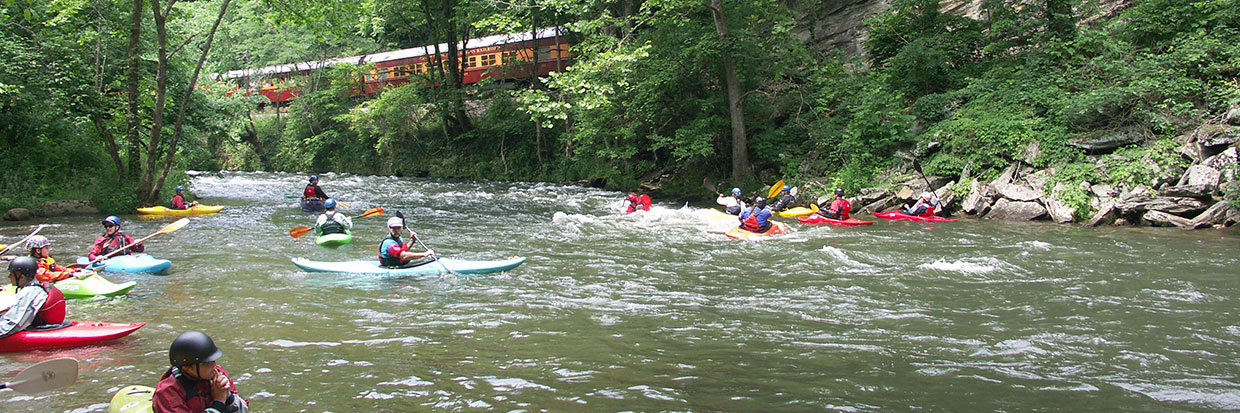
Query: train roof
point(389, 56)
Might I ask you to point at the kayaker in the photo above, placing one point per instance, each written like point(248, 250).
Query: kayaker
point(113, 239)
point(393, 251)
point(923, 207)
point(178, 200)
point(332, 222)
point(786, 200)
point(41, 250)
point(313, 191)
point(196, 382)
point(840, 208)
point(637, 203)
point(757, 218)
point(732, 204)
point(38, 303)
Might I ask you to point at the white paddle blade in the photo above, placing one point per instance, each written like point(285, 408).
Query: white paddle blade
point(45, 376)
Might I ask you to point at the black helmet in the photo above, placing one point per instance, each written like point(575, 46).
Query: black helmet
point(839, 191)
point(760, 202)
point(192, 348)
point(24, 266)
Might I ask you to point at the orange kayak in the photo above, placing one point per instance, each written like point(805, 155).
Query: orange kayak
point(776, 228)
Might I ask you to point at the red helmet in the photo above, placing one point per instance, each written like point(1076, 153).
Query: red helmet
point(632, 196)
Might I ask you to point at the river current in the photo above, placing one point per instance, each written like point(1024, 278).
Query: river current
point(659, 310)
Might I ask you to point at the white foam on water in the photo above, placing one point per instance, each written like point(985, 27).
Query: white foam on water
point(510, 384)
point(293, 344)
point(1037, 245)
point(981, 265)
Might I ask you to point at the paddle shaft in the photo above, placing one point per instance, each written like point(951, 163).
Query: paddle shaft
point(108, 255)
point(929, 188)
point(404, 226)
point(23, 241)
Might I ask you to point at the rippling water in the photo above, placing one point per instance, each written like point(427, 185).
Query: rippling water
point(660, 311)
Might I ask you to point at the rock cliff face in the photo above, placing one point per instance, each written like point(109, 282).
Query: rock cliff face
point(834, 26)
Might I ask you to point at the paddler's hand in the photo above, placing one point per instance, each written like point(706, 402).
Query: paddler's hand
point(430, 253)
point(219, 388)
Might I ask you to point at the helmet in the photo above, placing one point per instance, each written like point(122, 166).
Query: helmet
point(631, 197)
point(786, 188)
point(329, 204)
point(736, 191)
point(37, 241)
point(180, 188)
point(112, 220)
point(314, 178)
point(760, 202)
point(839, 191)
point(24, 265)
point(191, 348)
point(926, 195)
point(396, 222)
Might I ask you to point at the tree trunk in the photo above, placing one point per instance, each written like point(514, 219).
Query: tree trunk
point(740, 149)
point(455, 74)
point(133, 140)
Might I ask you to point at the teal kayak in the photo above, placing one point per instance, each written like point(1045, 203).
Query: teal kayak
point(90, 286)
point(135, 263)
point(132, 399)
point(428, 268)
point(334, 240)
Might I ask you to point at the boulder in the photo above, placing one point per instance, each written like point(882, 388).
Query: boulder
point(1202, 175)
point(905, 192)
point(1059, 212)
point(879, 205)
point(1222, 159)
point(1175, 205)
point(1105, 213)
point(1214, 138)
point(1008, 174)
point(1190, 150)
point(1037, 180)
point(1221, 213)
point(1195, 191)
point(1163, 219)
point(1103, 191)
point(1017, 192)
point(63, 208)
point(1233, 116)
point(1006, 209)
point(869, 195)
point(945, 196)
point(1032, 151)
point(1108, 141)
point(17, 214)
point(973, 202)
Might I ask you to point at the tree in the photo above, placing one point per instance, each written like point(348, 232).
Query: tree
point(740, 150)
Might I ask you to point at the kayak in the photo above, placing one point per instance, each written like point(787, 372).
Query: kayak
point(74, 334)
point(194, 210)
point(132, 399)
point(917, 218)
point(133, 263)
point(91, 286)
point(312, 205)
point(428, 268)
point(776, 228)
point(334, 240)
point(714, 214)
point(819, 219)
point(798, 211)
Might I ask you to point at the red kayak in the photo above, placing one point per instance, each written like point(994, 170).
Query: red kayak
point(77, 333)
point(918, 218)
point(815, 219)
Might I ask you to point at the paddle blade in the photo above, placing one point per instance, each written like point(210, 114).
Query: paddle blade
point(178, 224)
point(299, 231)
point(775, 189)
point(917, 167)
point(793, 192)
point(343, 205)
point(371, 212)
point(48, 375)
point(709, 186)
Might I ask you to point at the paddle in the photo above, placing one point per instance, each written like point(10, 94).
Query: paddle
point(929, 188)
point(48, 375)
point(775, 189)
point(175, 225)
point(301, 230)
point(23, 241)
point(415, 238)
point(710, 186)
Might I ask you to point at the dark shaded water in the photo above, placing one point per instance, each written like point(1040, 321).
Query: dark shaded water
point(660, 311)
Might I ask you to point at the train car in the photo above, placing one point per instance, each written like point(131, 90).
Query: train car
point(504, 56)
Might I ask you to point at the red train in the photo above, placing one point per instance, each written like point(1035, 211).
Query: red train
point(504, 56)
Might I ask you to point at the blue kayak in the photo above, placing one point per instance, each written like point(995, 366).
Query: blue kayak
point(428, 268)
point(312, 205)
point(135, 263)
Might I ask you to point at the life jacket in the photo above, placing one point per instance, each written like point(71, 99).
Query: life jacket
point(929, 210)
point(387, 260)
point(53, 310)
point(115, 242)
point(332, 226)
point(178, 202)
point(841, 208)
point(309, 193)
point(751, 222)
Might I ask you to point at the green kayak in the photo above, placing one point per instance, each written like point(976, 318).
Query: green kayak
point(93, 285)
point(334, 240)
point(132, 399)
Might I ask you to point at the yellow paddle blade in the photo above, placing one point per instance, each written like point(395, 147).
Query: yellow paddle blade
point(775, 189)
point(299, 231)
point(175, 225)
point(3, 247)
point(371, 212)
point(343, 205)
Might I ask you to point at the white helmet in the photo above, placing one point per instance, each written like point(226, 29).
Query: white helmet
point(926, 195)
point(396, 222)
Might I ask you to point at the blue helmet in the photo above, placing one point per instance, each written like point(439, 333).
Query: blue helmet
point(329, 204)
point(180, 188)
point(314, 178)
point(736, 191)
point(787, 188)
point(112, 220)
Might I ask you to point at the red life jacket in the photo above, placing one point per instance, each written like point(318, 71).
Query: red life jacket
point(841, 207)
point(309, 192)
point(929, 210)
point(751, 223)
point(53, 310)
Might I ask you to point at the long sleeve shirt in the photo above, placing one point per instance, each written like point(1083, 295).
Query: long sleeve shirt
point(30, 299)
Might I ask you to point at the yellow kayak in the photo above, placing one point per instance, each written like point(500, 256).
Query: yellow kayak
point(798, 211)
point(195, 210)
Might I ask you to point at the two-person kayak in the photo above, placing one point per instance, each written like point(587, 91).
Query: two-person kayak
point(67, 334)
point(133, 263)
point(427, 268)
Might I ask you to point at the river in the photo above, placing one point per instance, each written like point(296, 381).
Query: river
point(659, 311)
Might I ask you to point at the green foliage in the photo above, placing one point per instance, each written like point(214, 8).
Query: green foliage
point(1143, 165)
point(1065, 187)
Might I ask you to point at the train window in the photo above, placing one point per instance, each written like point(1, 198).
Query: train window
point(472, 62)
point(488, 60)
